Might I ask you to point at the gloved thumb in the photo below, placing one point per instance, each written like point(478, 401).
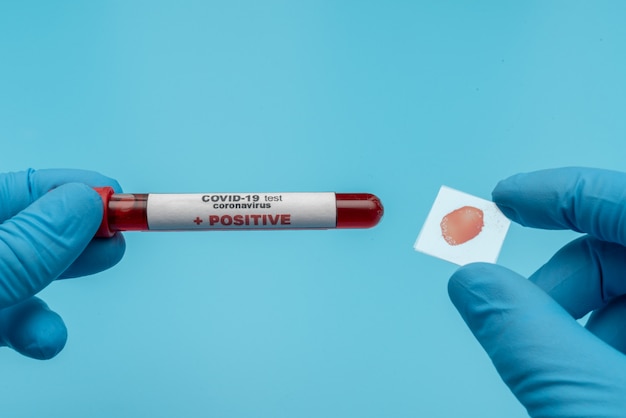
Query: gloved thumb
point(44, 239)
point(553, 365)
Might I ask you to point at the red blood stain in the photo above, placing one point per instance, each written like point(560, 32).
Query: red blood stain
point(462, 225)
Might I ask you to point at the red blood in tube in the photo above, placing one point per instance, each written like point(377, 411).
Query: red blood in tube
point(128, 212)
point(462, 225)
point(122, 212)
point(358, 210)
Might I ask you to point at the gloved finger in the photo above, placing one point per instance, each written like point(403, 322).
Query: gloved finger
point(43, 240)
point(582, 199)
point(554, 366)
point(608, 324)
point(18, 190)
point(100, 254)
point(32, 329)
point(584, 275)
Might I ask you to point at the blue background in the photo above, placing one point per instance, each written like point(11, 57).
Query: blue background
point(394, 98)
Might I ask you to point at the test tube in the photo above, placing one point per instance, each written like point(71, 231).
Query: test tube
point(236, 211)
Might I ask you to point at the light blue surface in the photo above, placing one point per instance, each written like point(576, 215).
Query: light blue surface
point(394, 99)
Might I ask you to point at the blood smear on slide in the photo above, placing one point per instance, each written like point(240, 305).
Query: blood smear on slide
point(462, 225)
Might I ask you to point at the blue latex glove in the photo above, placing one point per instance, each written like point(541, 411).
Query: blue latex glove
point(554, 366)
point(47, 221)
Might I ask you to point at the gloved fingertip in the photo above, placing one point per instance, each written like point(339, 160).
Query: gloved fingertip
point(83, 192)
point(82, 202)
point(35, 331)
point(116, 186)
point(44, 347)
point(502, 196)
point(480, 290)
point(469, 279)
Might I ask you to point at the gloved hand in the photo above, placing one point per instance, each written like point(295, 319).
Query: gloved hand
point(553, 365)
point(47, 221)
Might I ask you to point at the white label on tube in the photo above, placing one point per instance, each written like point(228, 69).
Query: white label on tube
point(202, 211)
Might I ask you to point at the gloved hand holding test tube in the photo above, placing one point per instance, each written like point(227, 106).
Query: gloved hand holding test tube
point(48, 220)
